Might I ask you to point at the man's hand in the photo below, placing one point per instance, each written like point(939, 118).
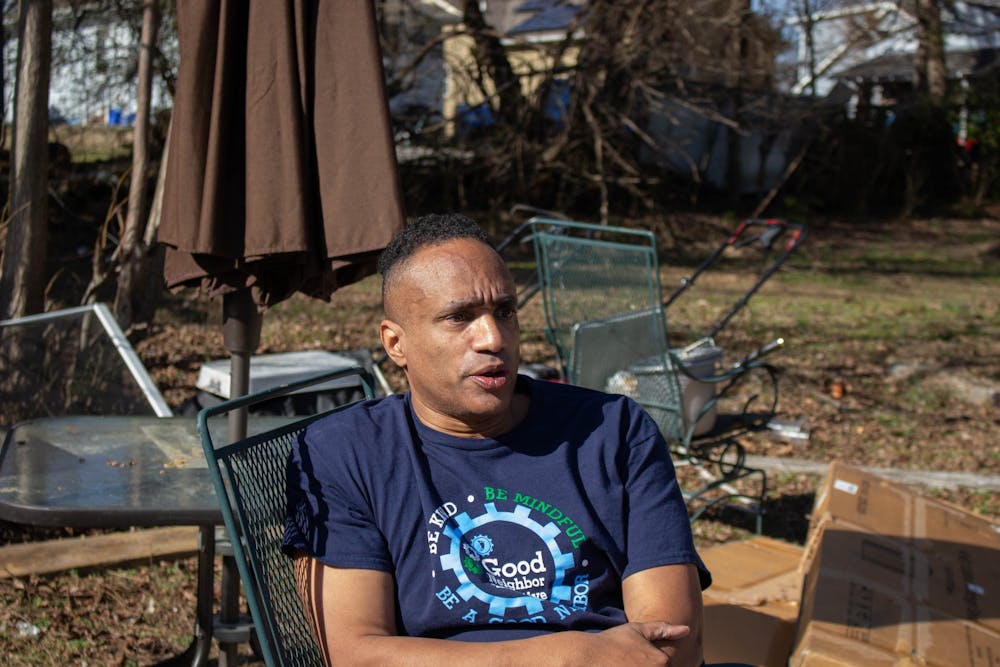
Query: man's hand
point(635, 644)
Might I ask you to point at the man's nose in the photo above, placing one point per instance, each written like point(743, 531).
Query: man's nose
point(487, 336)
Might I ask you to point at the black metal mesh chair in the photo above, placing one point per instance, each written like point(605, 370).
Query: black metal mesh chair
point(605, 317)
point(249, 478)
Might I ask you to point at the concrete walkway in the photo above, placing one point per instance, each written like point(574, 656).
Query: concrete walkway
point(931, 478)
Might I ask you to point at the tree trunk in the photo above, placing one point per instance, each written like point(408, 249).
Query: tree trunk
point(809, 27)
point(491, 55)
point(156, 207)
point(22, 271)
point(131, 297)
point(3, 81)
point(930, 72)
point(741, 54)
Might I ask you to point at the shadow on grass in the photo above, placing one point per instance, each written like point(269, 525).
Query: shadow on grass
point(786, 517)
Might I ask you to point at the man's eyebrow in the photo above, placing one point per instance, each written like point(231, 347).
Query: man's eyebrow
point(504, 300)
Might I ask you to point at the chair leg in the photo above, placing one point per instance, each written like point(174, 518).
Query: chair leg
point(728, 462)
point(196, 654)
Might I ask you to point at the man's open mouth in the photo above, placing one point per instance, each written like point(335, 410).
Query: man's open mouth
point(493, 378)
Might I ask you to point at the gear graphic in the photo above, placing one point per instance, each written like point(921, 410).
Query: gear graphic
point(464, 524)
point(482, 544)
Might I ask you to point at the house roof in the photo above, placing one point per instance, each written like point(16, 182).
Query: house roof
point(974, 18)
point(553, 17)
point(523, 18)
point(899, 66)
point(534, 5)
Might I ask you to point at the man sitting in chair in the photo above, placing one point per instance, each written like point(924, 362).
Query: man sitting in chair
point(485, 517)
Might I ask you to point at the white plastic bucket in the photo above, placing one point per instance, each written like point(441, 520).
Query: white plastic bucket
point(701, 359)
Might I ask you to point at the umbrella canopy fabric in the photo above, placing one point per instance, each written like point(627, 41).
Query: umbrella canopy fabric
point(282, 172)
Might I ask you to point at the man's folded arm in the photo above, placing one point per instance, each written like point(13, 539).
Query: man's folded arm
point(353, 614)
point(669, 593)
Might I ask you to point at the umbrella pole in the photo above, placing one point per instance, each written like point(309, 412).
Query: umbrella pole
point(241, 335)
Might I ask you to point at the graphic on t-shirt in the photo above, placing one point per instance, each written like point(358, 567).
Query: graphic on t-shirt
point(508, 555)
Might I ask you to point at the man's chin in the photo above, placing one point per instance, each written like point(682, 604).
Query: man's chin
point(488, 405)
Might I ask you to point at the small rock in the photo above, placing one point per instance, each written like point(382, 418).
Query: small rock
point(25, 629)
point(905, 370)
point(789, 430)
point(968, 387)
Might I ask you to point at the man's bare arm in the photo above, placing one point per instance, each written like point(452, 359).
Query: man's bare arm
point(353, 615)
point(309, 582)
point(669, 593)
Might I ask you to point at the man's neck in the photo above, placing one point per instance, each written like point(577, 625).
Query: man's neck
point(490, 426)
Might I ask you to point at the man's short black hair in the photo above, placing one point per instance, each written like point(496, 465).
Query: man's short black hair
point(427, 230)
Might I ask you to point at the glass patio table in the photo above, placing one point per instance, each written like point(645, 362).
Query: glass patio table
point(119, 472)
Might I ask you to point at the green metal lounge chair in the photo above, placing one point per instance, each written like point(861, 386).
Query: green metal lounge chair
point(605, 317)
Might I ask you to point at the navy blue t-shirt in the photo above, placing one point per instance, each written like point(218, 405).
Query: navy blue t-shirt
point(492, 539)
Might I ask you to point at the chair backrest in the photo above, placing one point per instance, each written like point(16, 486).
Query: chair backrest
point(601, 348)
point(591, 272)
point(249, 478)
point(604, 315)
point(624, 354)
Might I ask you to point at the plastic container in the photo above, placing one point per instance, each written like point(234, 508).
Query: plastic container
point(272, 370)
point(653, 381)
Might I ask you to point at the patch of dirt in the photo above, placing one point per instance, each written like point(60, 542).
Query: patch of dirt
point(118, 616)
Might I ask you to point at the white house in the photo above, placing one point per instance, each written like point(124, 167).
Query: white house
point(854, 32)
point(93, 76)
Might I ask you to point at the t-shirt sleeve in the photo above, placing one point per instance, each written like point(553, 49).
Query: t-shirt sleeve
point(659, 531)
point(328, 516)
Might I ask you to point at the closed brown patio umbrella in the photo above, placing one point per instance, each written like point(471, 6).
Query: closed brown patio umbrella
point(281, 174)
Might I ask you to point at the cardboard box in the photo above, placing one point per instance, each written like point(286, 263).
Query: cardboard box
point(752, 605)
point(819, 649)
point(754, 571)
point(760, 635)
point(846, 621)
point(877, 505)
point(895, 578)
point(953, 578)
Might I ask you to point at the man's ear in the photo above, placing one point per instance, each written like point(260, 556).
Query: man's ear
point(391, 335)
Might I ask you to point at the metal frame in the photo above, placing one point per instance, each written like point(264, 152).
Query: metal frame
point(118, 339)
point(772, 230)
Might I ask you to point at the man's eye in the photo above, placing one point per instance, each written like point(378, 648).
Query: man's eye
point(457, 317)
point(506, 312)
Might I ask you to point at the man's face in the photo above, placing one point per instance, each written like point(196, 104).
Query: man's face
point(452, 326)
